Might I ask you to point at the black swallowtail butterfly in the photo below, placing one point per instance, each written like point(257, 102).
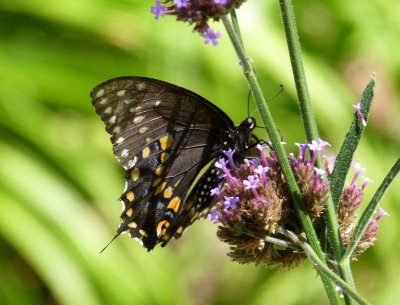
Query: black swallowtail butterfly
point(164, 135)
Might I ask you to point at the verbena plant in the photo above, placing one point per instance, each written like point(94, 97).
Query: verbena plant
point(277, 210)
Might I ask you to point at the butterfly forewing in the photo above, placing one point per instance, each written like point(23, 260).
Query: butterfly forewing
point(138, 110)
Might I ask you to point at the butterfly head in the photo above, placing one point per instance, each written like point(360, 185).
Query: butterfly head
point(240, 137)
point(248, 124)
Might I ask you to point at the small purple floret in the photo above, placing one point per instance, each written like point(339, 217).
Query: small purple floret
point(262, 170)
point(211, 37)
point(262, 149)
point(251, 184)
point(382, 213)
point(213, 216)
point(323, 144)
point(359, 114)
point(254, 161)
point(366, 180)
point(302, 150)
point(230, 203)
point(220, 2)
point(159, 10)
point(221, 164)
point(181, 3)
point(216, 191)
point(317, 146)
point(357, 171)
point(319, 171)
point(314, 147)
point(229, 154)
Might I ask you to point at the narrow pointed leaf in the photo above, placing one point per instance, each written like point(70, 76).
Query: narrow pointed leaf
point(350, 143)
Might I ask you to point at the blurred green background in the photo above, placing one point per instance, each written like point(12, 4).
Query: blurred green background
point(59, 181)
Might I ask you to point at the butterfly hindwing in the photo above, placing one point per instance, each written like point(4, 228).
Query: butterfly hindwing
point(198, 201)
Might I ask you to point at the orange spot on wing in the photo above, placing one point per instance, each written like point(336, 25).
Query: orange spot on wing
point(174, 204)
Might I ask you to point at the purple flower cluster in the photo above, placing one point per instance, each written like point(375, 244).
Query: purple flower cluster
point(197, 13)
point(349, 206)
point(253, 201)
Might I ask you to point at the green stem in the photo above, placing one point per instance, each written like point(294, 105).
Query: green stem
point(274, 240)
point(236, 27)
point(311, 130)
point(322, 268)
point(280, 152)
point(307, 115)
point(347, 288)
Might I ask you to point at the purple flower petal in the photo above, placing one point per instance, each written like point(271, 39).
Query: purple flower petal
point(302, 150)
point(221, 164)
point(357, 171)
point(213, 216)
point(181, 3)
point(216, 191)
point(323, 144)
point(382, 213)
point(254, 161)
point(262, 170)
point(366, 180)
point(314, 146)
point(229, 154)
point(230, 203)
point(317, 146)
point(359, 114)
point(262, 149)
point(211, 37)
point(319, 171)
point(159, 10)
point(251, 182)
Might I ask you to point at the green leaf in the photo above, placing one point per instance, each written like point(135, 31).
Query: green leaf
point(350, 143)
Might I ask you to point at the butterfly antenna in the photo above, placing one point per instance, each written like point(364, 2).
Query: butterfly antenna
point(248, 103)
point(114, 238)
point(282, 88)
